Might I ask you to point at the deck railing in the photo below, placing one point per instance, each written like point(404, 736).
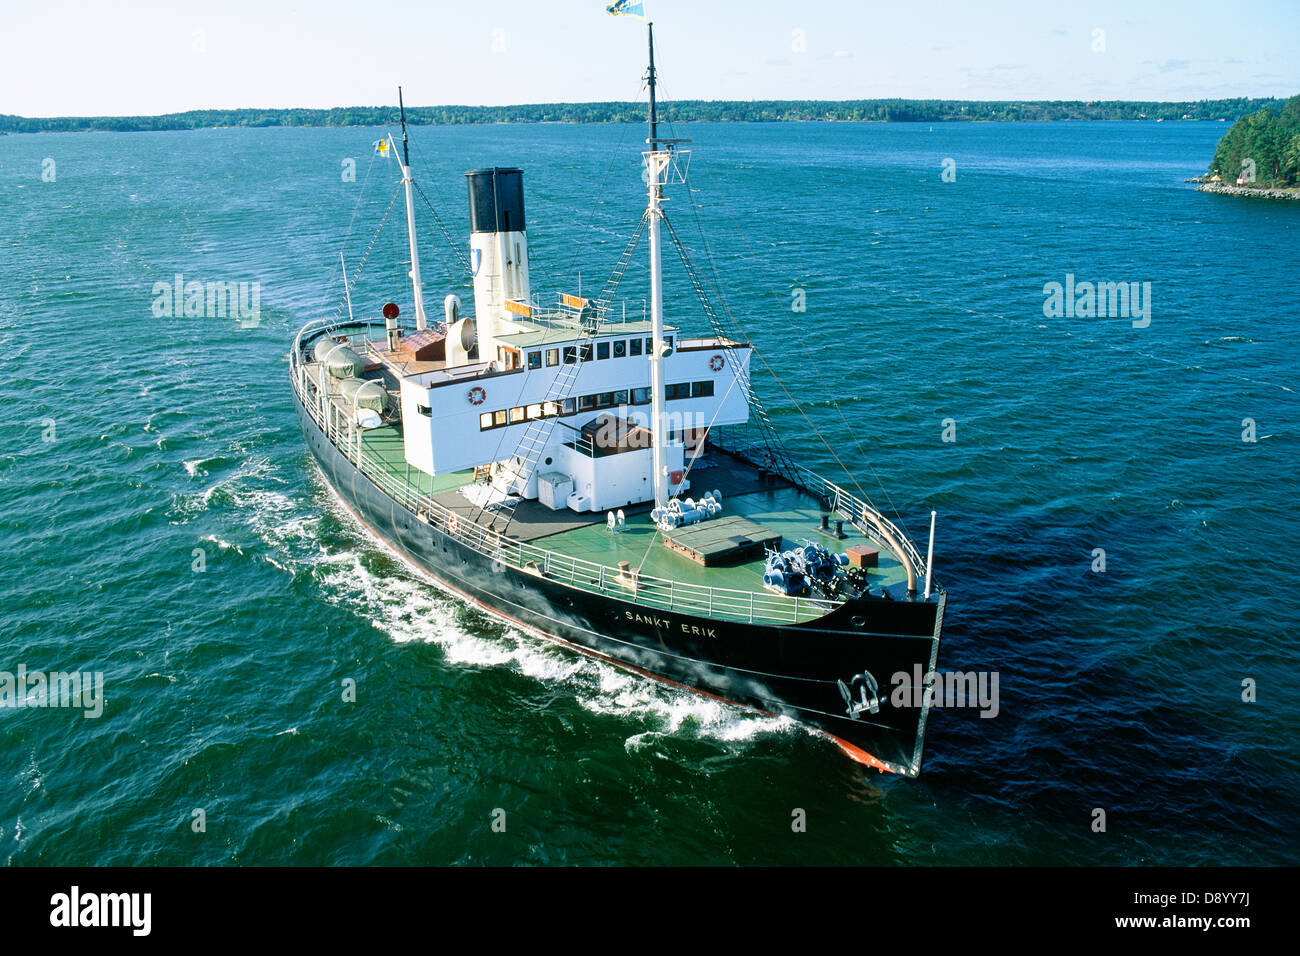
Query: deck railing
point(853, 509)
point(653, 593)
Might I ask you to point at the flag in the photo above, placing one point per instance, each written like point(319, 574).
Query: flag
point(627, 8)
point(381, 147)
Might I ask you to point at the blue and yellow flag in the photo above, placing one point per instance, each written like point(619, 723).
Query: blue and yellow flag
point(381, 147)
point(627, 8)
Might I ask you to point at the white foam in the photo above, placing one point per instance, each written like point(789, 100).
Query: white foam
point(409, 607)
point(223, 544)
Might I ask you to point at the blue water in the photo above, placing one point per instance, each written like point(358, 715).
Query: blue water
point(133, 440)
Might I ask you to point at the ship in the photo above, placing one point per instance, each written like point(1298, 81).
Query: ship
point(615, 485)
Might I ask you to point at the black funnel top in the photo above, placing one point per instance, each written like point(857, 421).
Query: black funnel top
point(496, 200)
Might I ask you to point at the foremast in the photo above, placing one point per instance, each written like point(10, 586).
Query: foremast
point(658, 163)
point(420, 320)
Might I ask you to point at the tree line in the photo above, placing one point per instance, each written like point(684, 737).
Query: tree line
point(1262, 148)
point(686, 111)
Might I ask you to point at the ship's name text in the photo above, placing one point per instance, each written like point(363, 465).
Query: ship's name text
point(694, 629)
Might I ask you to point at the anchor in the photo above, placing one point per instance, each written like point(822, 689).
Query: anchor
point(865, 685)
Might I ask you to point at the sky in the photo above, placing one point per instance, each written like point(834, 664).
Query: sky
point(140, 57)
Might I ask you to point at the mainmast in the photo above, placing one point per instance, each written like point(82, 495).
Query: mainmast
point(420, 320)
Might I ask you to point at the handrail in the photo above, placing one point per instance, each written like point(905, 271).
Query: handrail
point(857, 512)
point(644, 590)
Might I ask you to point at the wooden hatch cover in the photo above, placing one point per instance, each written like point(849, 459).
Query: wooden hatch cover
point(425, 345)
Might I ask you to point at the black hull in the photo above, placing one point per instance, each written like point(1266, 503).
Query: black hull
point(790, 670)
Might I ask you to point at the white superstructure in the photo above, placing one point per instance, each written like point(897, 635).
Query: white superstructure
point(610, 412)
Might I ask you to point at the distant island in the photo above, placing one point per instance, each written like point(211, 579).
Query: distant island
point(1259, 156)
point(684, 111)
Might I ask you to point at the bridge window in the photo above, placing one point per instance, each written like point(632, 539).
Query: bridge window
point(634, 347)
point(485, 421)
point(620, 398)
point(552, 357)
point(424, 410)
point(570, 406)
point(702, 389)
point(516, 414)
point(570, 354)
point(533, 411)
point(640, 396)
point(602, 350)
point(682, 390)
point(604, 399)
point(498, 418)
point(586, 403)
point(534, 360)
point(586, 352)
point(550, 409)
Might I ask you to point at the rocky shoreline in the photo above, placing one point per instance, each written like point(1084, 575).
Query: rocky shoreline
point(1229, 189)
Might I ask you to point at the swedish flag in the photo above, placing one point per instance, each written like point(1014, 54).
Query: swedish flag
point(381, 147)
point(627, 8)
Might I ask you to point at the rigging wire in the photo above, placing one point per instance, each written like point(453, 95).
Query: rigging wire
point(763, 358)
point(365, 256)
point(834, 403)
point(604, 181)
point(771, 440)
point(771, 289)
point(361, 196)
point(446, 234)
point(336, 268)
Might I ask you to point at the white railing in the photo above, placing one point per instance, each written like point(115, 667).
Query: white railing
point(853, 509)
point(640, 589)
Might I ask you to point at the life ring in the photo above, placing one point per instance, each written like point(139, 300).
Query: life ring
point(717, 362)
point(477, 395)
point(453, 523)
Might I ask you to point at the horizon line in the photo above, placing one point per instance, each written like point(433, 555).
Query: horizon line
point(636, 103)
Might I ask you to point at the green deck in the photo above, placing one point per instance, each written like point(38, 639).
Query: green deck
point(384, 446)
point(784, 510)
point(787, 511)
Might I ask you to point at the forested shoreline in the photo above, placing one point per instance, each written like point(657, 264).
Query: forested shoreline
point(1262, 150)
point(759, 111)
